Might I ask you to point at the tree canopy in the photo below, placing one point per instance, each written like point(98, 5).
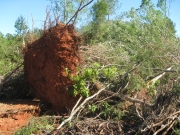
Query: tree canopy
point(20, 25)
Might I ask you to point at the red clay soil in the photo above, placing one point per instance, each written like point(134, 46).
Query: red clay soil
point(45, 61)
point(15, 115)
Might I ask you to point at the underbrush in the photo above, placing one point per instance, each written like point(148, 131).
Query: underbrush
point(11, 57)
point(41, 125)
point(15, 86)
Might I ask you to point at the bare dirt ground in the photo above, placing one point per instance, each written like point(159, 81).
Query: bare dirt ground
point(16, 114)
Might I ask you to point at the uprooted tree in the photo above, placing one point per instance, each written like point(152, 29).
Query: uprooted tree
point(46, 59)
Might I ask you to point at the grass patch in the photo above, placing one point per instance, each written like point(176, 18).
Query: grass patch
point(39, 125)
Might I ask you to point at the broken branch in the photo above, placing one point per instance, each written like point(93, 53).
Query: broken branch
point(80, 106)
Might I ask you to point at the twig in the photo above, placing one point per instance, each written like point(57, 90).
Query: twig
point(78, 127)
point(162, 127)
point(165, 133)
point(32, 35)
point(138, 112)
point(175, 113)
point(120, 129)
point(56, 117)
point(47, 17)
point(71, 133)
point(164, 70)
point(56, 17)
point(113, 94)
point(80, 106)
point(79, 113)
point(161, 122)
point(9, 75)
point(136, 101)
point(79, 9)
point(76, 104)
point(97, 116)
point(158, 77)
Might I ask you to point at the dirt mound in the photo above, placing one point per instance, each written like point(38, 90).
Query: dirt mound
point(45, 61)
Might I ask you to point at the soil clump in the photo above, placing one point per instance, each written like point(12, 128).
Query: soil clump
point(45, 61)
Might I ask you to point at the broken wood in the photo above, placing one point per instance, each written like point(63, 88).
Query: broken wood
point(80, 106)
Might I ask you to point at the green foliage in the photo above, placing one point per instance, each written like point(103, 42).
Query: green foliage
point(92, 108)
point(136, 82)
point(10, 52)
point(145, 3)
point(170, 25)
point(9, 37)
point(99, 11)
point(177, 131)
point(152, 89)
point(89, 75)
point(65, 9)
point(113, 5)
point(36, 126)
point(20, 25)
point(80, 86)
point(105, 105)
point(109, 72)
point(10, 47)
point(105, 110)
point(109, 111)
point(144, 37)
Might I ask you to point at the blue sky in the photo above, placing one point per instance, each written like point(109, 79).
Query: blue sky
point(10, 10)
